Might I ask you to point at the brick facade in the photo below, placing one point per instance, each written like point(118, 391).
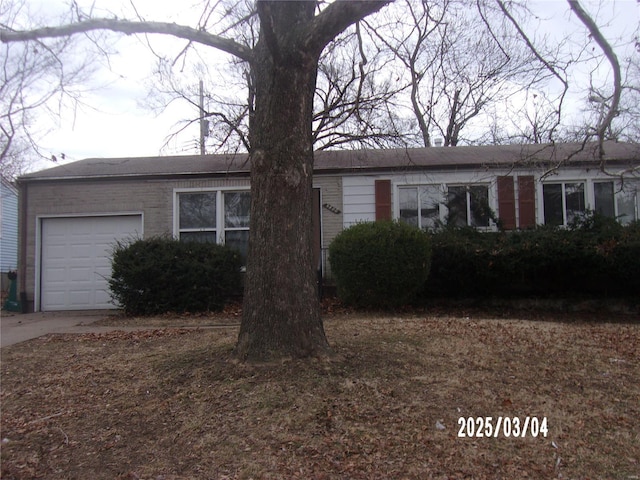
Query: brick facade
point(153, 198)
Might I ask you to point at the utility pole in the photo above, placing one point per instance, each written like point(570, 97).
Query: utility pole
point(204, 124)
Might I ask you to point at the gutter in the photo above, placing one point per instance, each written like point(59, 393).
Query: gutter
point(134, 176)
point(23, 205)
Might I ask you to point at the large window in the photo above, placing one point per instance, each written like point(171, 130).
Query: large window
point(620, 204)
point(221, 217)
point(604, 199)
point(197, 216)
point(420, 206)
point(468, 206)
point(426, 205)
point(628, 205)
point(237, 206)
point(563, 202)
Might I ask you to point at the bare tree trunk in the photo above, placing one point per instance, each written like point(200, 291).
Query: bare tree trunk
point(281, 314)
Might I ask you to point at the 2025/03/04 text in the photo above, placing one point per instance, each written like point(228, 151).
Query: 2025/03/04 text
point(508, 427)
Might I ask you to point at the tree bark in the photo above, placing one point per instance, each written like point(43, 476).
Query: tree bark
point(281, 313)
point(281, 309)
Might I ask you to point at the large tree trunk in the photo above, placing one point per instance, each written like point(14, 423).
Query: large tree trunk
point(281, 313)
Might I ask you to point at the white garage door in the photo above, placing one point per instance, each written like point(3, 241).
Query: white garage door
point(76, 260)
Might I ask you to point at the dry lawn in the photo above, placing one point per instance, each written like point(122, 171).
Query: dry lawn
point(169, 404)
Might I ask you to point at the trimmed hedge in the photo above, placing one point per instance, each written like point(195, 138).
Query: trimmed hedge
point(596, 256)
point(380, 264)
point(162, 274)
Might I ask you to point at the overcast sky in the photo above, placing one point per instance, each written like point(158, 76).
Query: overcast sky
point(113, 121)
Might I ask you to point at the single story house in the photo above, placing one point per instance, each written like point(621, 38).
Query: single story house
point(8, 230)
point(71, 215)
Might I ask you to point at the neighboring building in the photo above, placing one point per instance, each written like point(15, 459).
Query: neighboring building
point(8, 230)
point(71, 215)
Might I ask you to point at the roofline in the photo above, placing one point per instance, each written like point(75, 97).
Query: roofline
point(135, 176)
point(334, 169)
point(465, 166)
point(364, 169)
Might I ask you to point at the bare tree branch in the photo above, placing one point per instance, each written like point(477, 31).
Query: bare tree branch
point(334, 19)
point(130, 28)
point(605, 123)
point(36, 78)
point(540, 58)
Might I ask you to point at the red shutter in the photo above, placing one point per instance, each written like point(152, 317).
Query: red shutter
point(507, 202)
point(527, 201)
point(383, 200)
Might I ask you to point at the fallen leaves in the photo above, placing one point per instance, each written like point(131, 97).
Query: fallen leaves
point(167, 403)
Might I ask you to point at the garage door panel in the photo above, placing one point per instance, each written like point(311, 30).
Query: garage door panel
point(56, 280)
point(82, 251)
point(76, 259)
point(56, 300)
point(57, 229)
point(82, 274)
point(105, 248)
point(80, 298)
point(102, 299)
point(80, 228)
point(103, 271)
point(55, 251)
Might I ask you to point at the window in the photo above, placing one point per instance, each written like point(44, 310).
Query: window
point(604, 199)
point(619, 204)
point(197, 216)
point(563, 202)
point(424, 205)
point(468, 205)
point(420, 206)
point(628, 205)
point(237, 206)
point(220, 217)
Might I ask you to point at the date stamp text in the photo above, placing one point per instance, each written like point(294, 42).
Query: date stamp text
point(507, 427)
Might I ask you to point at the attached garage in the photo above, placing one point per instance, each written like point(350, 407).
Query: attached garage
point(75, 259)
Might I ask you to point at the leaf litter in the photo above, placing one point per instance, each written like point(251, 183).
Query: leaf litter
point(169, 403)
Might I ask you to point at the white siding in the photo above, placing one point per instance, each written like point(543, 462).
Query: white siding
point(358, 199)
point(359, 190)
point(9, 232)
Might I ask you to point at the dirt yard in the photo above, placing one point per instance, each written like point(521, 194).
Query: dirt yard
point(170, 404)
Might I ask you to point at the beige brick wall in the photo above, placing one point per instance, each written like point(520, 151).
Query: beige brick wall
point(151, 197)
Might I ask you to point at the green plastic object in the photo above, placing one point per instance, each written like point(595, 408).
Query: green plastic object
point(12, 304)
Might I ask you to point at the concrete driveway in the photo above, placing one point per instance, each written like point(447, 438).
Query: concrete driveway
point(16, 327)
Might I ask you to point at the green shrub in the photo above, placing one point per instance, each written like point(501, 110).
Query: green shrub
point(461, 261)
point(161, 274)
point(380, 264)
point(593, 256)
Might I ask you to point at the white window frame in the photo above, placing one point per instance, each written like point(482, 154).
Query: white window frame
point(443, 210)
point(417, 187)
point(215, 228)
point(224, 228)
point(468, 187)
point(563, 183)
point(617, 194)
point(220, 228)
